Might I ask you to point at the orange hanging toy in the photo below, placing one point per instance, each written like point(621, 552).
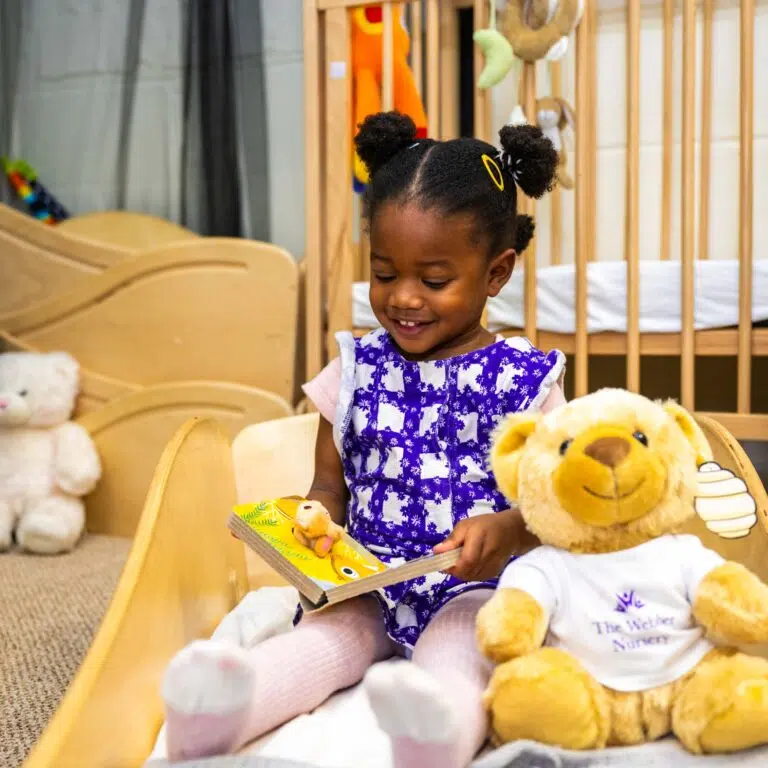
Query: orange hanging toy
point(367, 73)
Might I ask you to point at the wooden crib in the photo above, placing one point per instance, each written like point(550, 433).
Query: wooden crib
point(640, 257)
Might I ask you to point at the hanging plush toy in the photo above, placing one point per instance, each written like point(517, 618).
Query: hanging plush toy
point(539, 29)
point(498, 53)
point(367, 72)
point(553, 115)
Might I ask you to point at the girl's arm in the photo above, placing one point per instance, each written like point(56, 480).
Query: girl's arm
point(328, 486)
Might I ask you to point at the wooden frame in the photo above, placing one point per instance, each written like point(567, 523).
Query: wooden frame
point(134, 435)
point(213, 309)
point(185, 595)
point(330, 259)
point(175, 587)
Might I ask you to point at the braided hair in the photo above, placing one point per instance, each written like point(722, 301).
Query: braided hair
point(458, 176)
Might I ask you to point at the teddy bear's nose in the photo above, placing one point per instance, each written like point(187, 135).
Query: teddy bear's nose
point(608, 450)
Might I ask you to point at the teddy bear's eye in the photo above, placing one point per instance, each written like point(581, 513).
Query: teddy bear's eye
point(641, 438)
point(564, 446)
point(23, 392)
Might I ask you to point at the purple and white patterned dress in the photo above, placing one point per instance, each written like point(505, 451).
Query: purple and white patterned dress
point(414, 439)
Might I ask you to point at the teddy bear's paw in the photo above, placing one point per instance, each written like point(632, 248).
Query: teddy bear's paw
point(547, 696)
point(207, 689)
point(724, 707)
point(51, 526)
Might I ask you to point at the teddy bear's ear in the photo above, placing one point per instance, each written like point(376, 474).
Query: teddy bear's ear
point(507, 448)
point(691, 430)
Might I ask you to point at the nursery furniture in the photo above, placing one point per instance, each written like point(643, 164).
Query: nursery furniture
point(638, 266)
point(38, 261)
point(215, 309)
point(126, 229)
point(191, 579)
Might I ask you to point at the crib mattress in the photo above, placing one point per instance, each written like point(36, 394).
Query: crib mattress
point(51, 609)
point(716, 290)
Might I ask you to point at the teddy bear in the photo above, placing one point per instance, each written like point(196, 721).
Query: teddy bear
point(620, 628)
point(314, 528)
point(47, 462)
point(539, 29)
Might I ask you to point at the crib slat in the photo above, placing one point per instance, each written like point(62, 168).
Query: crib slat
point(631, 229)
point(667, 127)
point(706, 127)
point(449, 71)
point(527, 205)
point(583, 236)
point(433, 67)
point(417, 46)
point(387, 58)
point(313, 141)
point(687, 361)
point(744, 390)
point(339, 252)
point(556, 200)
point(590, 16)
point(481, 20)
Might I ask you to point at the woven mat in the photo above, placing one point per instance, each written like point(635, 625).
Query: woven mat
point(50, 609)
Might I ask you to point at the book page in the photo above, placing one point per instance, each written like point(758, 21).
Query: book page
point(347, 562)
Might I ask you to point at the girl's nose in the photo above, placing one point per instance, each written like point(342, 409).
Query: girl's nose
point(405, 297)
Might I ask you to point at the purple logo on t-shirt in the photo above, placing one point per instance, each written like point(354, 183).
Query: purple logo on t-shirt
point(627, 600)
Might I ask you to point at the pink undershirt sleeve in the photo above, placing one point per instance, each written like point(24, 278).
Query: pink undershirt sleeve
point(323, 391)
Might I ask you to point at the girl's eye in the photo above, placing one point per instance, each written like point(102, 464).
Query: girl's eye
point(434, 285)
point(384, 278)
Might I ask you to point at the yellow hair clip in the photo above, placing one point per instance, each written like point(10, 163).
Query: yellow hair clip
point(494, 171)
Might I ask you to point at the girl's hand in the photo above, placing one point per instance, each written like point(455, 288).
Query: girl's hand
point(488, 541)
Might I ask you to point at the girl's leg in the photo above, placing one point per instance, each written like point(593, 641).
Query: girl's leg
point(220, 697)
point(432, 709)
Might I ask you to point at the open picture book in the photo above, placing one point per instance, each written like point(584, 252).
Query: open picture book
point(347, 571)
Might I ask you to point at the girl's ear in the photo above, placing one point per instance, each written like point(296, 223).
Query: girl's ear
point(500, 271)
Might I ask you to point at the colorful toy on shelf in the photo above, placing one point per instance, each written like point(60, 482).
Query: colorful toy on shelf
point(41, 203)
point(367, 74)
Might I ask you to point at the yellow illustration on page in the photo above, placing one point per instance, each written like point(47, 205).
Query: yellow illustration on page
point(273, 520)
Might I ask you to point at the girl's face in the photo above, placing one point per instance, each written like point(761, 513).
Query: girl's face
point(430, 279)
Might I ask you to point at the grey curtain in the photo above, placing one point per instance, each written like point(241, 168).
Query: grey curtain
point(224, 144)
point(10, 54)
point(157, 107)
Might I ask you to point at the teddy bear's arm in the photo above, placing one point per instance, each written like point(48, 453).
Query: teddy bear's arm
point(732, 603)
point(510, 624)
point(77, 466)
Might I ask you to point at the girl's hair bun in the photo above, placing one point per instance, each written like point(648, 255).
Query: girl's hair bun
point(381, 136)
point(524, 229)
point(530, 157)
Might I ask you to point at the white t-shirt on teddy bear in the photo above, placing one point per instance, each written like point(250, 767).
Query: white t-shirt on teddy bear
point(626, 616)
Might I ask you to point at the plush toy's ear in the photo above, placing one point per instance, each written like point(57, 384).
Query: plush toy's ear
point(508, 444)
point(691, 430)
point(568, 115)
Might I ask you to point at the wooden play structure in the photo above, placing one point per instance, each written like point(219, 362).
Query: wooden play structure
point(635, 290)
point(183, 596)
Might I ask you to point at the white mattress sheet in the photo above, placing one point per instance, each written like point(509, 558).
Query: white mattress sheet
point(716, 291)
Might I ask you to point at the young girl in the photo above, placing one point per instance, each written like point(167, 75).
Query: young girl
point(407, 416)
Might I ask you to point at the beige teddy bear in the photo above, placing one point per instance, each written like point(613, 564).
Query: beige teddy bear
point(604, 634)
point(47, 462)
